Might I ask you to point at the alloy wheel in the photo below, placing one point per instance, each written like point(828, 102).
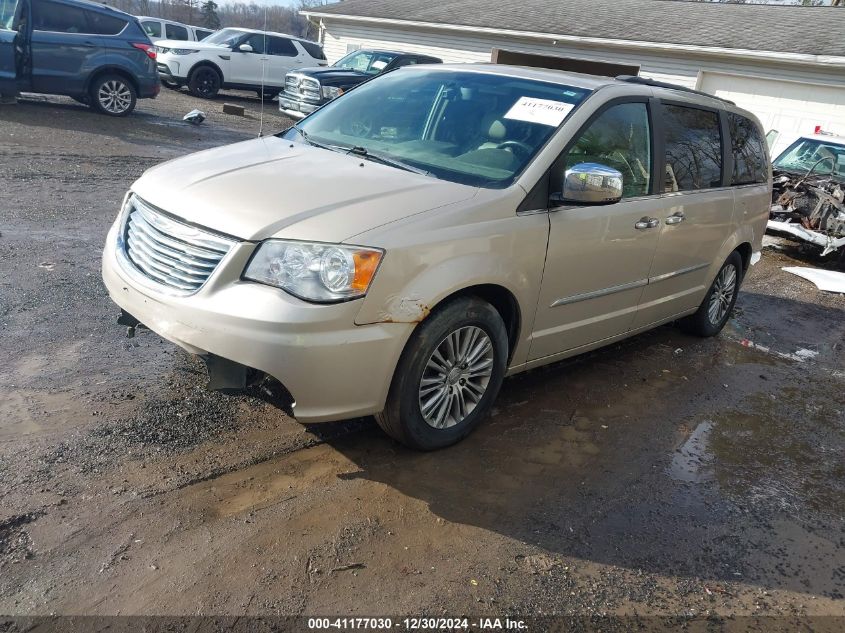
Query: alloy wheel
point(456, 377)
point(114, 96)
point(723, 293)
point(207, 82)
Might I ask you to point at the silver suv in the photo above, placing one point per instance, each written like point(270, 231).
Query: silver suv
point(404, 248)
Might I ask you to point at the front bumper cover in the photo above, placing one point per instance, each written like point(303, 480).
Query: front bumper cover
point(333, 368)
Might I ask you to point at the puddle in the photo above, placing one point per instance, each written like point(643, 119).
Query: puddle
point(27, 412)
point(801, 355)
point(692, 462)
point(60, 358)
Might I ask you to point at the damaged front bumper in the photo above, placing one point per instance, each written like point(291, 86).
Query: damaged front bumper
point(810, 208)
point(332, 368)
point(828, 243)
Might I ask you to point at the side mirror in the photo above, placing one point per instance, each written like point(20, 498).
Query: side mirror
point(591, 183)
point(245, 48)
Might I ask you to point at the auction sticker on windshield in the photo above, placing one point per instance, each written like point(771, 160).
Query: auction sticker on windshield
point(541, 111)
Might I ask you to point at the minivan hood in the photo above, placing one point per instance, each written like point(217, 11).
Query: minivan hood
point(270, 187)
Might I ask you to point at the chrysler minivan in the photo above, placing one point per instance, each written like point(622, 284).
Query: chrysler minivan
point(404, 248)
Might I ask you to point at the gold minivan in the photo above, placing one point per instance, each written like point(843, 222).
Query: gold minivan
point(404, 248)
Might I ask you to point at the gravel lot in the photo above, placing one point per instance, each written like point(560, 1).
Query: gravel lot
point(665, 476)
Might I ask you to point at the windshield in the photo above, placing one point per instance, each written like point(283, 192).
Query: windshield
point(368, 62)
point(226, 37)
point(823, 157)
point(474, 128)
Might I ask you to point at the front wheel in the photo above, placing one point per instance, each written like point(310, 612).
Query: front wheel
point(719, 301)
point(205, 82)
point(113, 95)
point(448, 376)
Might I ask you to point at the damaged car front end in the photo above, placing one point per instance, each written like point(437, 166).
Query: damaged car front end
point(808, 195)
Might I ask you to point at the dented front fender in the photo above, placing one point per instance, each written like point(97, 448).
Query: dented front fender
point(423, 268)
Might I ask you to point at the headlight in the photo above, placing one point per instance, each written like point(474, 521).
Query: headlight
point(330, 92)
point(162, 49)
point(324, 273)
point(183, 51)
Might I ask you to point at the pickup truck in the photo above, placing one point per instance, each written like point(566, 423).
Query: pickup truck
point(307, 89)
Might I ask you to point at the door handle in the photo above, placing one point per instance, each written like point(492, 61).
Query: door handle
point(676, 218)
point(646, 223)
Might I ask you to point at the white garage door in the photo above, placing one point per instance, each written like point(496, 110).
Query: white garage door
point(791, 108)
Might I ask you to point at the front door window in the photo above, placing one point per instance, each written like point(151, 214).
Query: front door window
point(618, 138)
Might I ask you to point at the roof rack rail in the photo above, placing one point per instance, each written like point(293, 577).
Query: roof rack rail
point(633, 79)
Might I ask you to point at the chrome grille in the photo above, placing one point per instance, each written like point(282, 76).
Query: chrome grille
point(310, 88)
point(168, 252)
point(304, 88)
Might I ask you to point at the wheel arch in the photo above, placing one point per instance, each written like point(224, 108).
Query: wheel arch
point(500, 297)
point(206, 63)
point(745, 250)
point(111, 70)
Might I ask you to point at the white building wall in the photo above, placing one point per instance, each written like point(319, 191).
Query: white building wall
point(683, 69)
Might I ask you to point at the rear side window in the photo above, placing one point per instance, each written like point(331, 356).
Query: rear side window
point(58, 18)
point(153, 29)
point(315, 50)
point(747, 146)
point(102, 24)
point(693, 149)
point(281, 46)
point(201, 35)
point(176, 32)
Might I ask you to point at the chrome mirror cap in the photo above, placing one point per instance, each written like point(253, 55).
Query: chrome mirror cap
point(592, 183)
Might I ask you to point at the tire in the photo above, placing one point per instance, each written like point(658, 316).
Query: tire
point(719, 301)
point(204, 82)
point(409, 415)
point(113, 95)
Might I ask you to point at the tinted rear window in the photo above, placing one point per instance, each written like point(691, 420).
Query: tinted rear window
point(693, 149)
point(281, 47)
point(176, 32)
point(102, 24)
point(59, 18)
point(749, 154)
point(153, 29)
point(63, 18)
point(315, 50)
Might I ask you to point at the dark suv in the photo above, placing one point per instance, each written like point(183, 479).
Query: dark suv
point(97, 55)
point(307, 89)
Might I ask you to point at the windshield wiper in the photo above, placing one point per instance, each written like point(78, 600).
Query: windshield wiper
point(307, 138)
point(386, 160)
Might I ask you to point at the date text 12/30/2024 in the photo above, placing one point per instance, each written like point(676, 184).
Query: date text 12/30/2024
point(417, 624)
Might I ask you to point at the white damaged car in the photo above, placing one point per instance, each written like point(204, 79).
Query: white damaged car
point(808, 193)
